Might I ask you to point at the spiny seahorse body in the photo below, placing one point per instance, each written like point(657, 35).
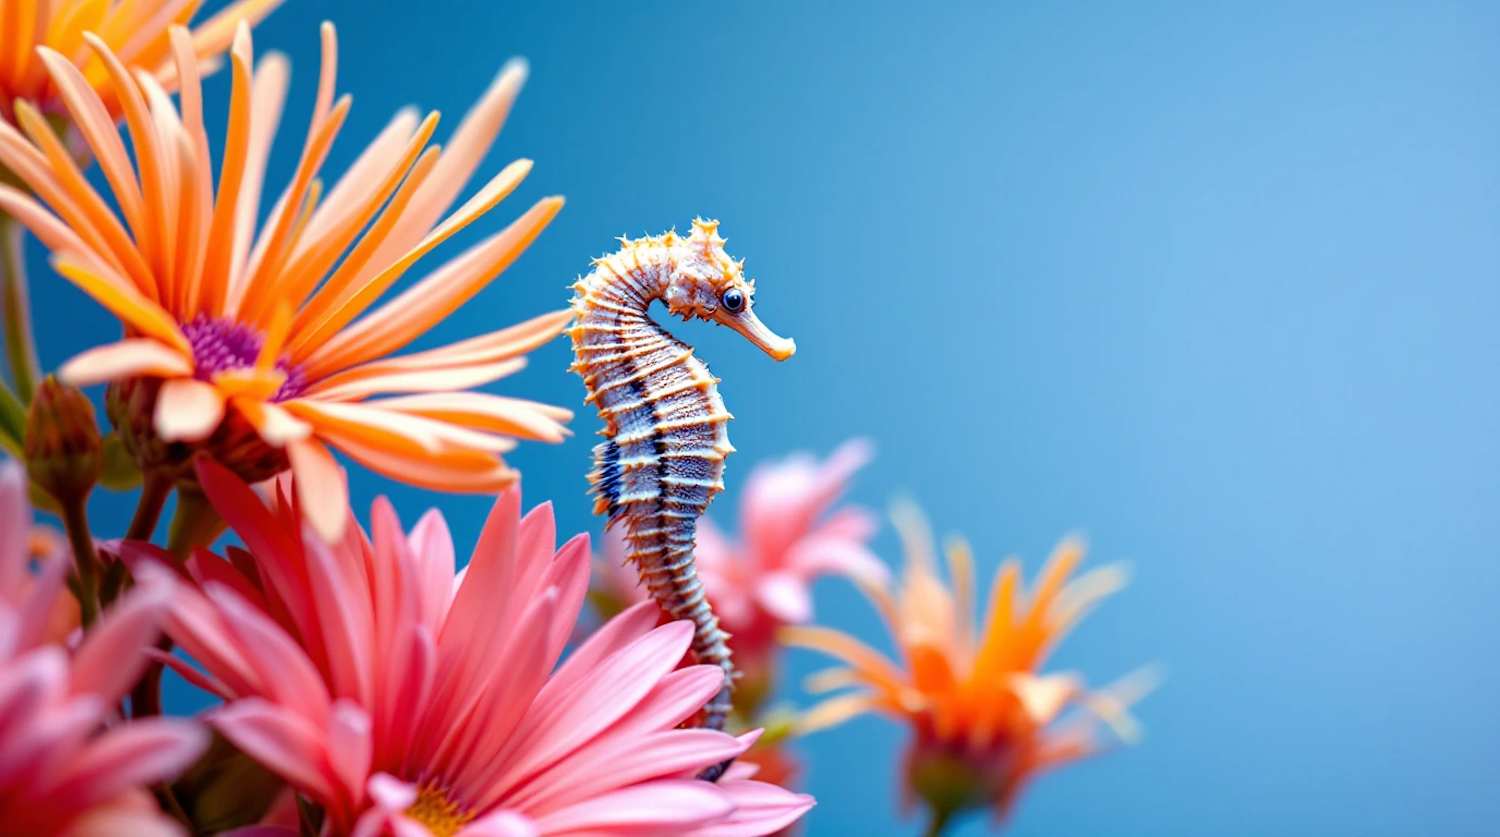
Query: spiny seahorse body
point(663, 460)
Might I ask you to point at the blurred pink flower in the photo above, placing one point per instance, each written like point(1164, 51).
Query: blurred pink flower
point(787, 539)
point(404, 700)
point(62, 772)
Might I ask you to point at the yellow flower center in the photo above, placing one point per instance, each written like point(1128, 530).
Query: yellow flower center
point(442, 816)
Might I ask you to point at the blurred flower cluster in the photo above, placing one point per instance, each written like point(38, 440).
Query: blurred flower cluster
point(366, 680)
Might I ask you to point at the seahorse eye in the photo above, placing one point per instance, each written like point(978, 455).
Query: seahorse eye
point(734, 300)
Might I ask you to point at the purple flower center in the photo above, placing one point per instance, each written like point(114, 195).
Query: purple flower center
point(224, 345)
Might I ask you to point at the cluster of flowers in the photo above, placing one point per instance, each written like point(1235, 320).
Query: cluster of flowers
point(369, 686)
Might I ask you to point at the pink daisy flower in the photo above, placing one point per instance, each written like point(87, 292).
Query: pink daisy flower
point(404, 700)
point(63, 769)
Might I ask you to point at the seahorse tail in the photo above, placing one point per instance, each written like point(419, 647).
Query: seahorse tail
point(675, 586)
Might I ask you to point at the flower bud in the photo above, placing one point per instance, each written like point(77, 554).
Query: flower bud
point(946, 780)
point(64, 451)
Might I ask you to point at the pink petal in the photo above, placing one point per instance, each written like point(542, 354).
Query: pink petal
point(111, 656)
point(54, 736)
point(193, 676)
point(15, 519)
point(390, 793)
point(626, 627)
point(614, 689)
point(143, 752)
point(287, 675)
point(785, 597)
point(345, 620)
point(282, 742)
point(349, 747)
point(501, 824)
point(662, 806)
point(432, 545)
point(625, 760)
point(112, 821)
point(819, 553)
point(31, 686)
point(759, 809)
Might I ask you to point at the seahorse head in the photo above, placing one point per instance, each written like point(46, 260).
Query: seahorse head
point(706, 283)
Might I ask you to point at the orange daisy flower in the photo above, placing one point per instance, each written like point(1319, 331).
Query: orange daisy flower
point(135, 31)
point(247, 346)
point(984, 719)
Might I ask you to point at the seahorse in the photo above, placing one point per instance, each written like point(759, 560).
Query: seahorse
point(662, 461)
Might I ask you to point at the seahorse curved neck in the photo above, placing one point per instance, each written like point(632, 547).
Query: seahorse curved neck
point(663, 460)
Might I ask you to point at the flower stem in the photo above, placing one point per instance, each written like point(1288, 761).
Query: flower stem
point(85, 559)
point(938, 824)
point(194, 524)
point(15, 311)
point(154, 493)
point(12, 422)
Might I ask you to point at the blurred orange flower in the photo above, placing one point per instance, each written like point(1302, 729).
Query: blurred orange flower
point(136, 32)
point(984, 719)
point(247, 345)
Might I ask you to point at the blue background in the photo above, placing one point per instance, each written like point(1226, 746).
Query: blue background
point(1215, 283)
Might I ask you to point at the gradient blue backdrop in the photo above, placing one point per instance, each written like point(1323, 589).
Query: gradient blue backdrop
point(1215, 283)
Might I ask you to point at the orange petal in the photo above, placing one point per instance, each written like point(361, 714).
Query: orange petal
point(431, 380)
point(406, 317)
point(961, 573)
point(267, 95)
point(328, 310)
point(321, 489)
point(457, 471)
point(276, 426)
point(98, 128)
point(383, 427)
point(486, 348)
point(463, 153)
point(52, 232)
point(483, 411)
point(879, 670)
point(999, 626)
point(96, 213)
point(835, 711)
point(148, 156)
point(371, 290)
point(1043, 697)
point(187, 410)
point(136, 357)
point(359, 195)
point(124, 301)
point(214, 34)
point(220, 250)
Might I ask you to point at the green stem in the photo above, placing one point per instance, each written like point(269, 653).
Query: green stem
point(85, 559)
point(194, 524)
point(12, 422)
point(938, 824)
point(15, 311)
point(154, 493)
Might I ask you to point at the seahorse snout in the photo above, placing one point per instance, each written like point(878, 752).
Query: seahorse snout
point(752, 329)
